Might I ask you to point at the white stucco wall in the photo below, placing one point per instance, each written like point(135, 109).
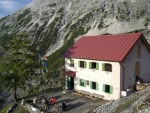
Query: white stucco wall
point(99, 76)
point(116, 77)
point(129, 64)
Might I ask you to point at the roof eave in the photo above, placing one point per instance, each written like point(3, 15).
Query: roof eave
point(145, 42)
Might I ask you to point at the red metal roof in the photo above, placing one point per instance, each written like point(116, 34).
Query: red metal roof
point(104, 47)
point(70, 73)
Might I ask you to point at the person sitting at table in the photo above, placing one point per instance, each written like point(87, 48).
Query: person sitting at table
point(64, 105)
point(52, 101)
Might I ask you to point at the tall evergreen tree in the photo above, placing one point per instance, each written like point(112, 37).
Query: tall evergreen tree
point(19, 64)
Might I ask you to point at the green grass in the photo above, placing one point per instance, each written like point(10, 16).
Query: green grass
point(22, 110)
point(5, 109)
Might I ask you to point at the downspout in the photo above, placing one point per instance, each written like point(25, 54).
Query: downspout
point(122, 75)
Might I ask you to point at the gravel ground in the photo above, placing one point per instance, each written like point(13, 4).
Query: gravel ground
point(79, 104)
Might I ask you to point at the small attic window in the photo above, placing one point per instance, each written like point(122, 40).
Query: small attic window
point(136, 31)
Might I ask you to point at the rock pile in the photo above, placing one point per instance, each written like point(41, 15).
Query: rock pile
point(125, 104)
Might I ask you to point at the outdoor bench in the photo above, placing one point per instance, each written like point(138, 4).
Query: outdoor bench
point(98, 96)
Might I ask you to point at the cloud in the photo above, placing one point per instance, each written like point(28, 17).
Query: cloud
point(11, 6)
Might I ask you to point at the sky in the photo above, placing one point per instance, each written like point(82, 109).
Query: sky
point(8, 7)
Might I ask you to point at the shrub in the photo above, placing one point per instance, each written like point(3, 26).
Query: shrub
point(36, 25)
point(47, 39)
point(146, 24)
point(28, 19)
point(22, 15)
point(100, 24)
point(118, 9)
point(38, 32)
point(105, 14)
point(125, 3)
point(5, 38)
point(147, 20)
point(60, 10)
point(68, 24)
point(122, 17)
point(142, 13)
point(66, 37)
point(52, 5)
point(55, 59)
point(116, 17)
point(127, 19)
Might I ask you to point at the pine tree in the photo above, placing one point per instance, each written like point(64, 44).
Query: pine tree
point(19, 64)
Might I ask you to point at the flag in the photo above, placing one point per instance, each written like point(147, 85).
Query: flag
point(44, 57)
point(39, 53)
point(43, 63)
point(46, 70)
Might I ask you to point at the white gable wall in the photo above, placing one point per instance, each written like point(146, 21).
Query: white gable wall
point(122, 76)
point(99, 76)
point(129, 64)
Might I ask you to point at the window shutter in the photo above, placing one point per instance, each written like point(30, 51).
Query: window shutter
point(91, 84)
point(103, 67)
point(110, 66)
point(84, 83)
point(103, 87)
point(71, 62)
point(79, 63)
point(96, 86)
point(84, 64)
point(90, 65)
point(97, 66)
point(111, 89)
point(79, 81)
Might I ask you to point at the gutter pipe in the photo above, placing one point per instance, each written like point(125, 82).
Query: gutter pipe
point(122, 75)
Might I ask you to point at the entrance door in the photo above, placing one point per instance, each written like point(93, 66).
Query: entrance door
point(70, 83)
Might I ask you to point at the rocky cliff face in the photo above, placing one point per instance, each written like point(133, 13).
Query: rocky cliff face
point(51, 23)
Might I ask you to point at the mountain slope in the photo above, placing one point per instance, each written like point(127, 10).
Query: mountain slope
point(50, 23)
point(54, 25)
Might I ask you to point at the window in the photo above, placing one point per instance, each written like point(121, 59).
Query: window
point(82, 64)
point(71, 63)
point(107, 67)
point(137, 68)
point(82, 82)
point(93, 65)
point(107, 89)
point(94, 85)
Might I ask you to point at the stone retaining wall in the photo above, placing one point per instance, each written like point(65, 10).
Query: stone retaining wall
point(29, 107)
point(125, 104)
